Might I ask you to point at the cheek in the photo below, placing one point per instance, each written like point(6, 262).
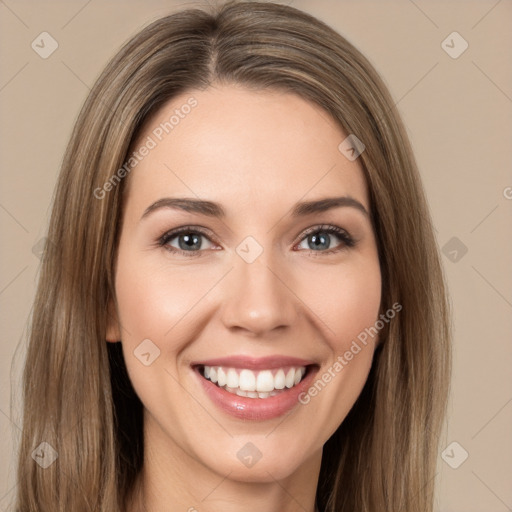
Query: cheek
point(345, 298)
point(152, 300)
point(156, 304)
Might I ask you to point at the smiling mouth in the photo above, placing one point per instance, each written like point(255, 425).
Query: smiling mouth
point(254, 384)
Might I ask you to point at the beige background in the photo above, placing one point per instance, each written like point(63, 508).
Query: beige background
point(458, 114)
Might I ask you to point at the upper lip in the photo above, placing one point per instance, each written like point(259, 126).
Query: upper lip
point(254, 363)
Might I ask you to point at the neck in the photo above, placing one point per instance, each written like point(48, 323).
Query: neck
point(146, 499)
point(172, 476)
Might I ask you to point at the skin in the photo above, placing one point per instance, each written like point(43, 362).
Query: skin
point(257, 153)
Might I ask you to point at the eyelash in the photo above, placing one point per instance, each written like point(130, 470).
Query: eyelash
point(346, 240)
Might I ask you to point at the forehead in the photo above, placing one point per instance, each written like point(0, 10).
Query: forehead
point(243, 148)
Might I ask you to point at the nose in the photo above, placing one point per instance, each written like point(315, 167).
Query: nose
point(259, 300)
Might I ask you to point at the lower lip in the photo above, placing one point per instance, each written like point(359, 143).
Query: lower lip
point(257, 408)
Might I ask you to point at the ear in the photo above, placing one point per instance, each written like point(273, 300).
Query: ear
point(113, 334)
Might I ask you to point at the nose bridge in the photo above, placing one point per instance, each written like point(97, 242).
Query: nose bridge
point(258, 299)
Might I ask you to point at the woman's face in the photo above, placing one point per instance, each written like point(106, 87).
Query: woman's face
point(246, 256)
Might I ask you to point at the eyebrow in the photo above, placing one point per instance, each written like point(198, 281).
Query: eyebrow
point(212, 209)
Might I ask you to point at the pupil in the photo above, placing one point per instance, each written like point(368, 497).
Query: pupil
point(190, 242)
point(321, 241)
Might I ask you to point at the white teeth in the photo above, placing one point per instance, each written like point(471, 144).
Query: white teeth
point(279, 379)
point(221, 377)
point(232, 378)
point(290, 378)
point(247, 380)
point(265, 381)
point(254, 384)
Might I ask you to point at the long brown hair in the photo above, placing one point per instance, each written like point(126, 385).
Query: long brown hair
point(77, 394)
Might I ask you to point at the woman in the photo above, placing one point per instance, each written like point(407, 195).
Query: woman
point(242, 306)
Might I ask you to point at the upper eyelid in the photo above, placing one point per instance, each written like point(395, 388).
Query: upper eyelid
point(173, 233)
point(322, 227)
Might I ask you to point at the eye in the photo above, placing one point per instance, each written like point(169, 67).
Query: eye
point(187, 240)
point(319, 239)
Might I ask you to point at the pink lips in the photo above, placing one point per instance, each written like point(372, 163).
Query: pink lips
point(256, 408)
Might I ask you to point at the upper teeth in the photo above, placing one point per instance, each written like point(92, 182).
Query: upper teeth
point(263, 381)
